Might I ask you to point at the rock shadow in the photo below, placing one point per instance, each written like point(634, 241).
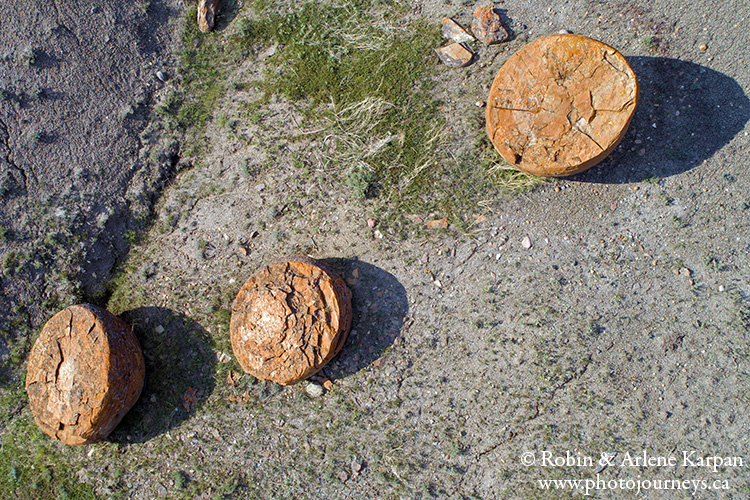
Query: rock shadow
point(379, 304)
point(507, 23)
point(685, 114)
point(180, 368)
point(228, 10)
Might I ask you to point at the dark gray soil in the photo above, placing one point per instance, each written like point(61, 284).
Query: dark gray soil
point(624, 329)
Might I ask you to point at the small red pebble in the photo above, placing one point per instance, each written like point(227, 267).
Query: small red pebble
point(371, 222)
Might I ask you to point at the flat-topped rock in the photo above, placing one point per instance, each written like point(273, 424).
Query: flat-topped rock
point(290, 319)
point(85, 372)
point(561, 104)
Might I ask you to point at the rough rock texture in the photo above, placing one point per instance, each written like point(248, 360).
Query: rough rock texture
point(561, 104)
point(488, 27)
point(85, 372)
point(456, 55)
point(290, 319)
point(207, 14)
point(454, 31)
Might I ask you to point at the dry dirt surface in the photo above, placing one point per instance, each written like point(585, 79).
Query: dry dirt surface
point(596, 328)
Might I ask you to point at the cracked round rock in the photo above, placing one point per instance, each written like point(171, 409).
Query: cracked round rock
point(85, 372)
point(290, 319)
point(561, 104)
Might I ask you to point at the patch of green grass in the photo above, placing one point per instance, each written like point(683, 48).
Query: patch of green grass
point(202, 63)
point(366, 81)
point(34, 467)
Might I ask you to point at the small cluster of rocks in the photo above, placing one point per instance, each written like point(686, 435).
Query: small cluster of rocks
point(486, 27)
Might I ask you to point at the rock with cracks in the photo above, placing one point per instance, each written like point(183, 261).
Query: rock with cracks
point(85, 372)
point(290, 319)
point(488, 27)
point(561, 104)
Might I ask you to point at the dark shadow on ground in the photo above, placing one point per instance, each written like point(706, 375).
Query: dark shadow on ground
point(379, 305)
point(228, 10)
point(180, 368)
point(507, 23)
point(686, 113)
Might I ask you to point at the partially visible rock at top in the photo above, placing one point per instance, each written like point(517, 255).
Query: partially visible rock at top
point(456, 55)
point(454, 31)
point(207, 14)
point(487, 26)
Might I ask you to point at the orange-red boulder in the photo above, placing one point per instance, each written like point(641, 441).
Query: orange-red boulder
point(85, 372)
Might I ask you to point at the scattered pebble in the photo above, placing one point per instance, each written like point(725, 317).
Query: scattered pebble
point(371, 222)
point(159, 329)
point(356, 465)
point(526, 242)
point(378, 234)
point(564, 32)
point(161, 76)
point(703, 47)
point(721, 288)
point(437, 223)
point(260, 187)
point(480, 104)
point(314, 390)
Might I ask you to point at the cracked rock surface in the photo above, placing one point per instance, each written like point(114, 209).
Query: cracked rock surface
point(85, 372)
point(561, 104)
point(289, 320)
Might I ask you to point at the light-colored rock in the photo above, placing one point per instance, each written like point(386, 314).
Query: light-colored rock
point(455, 55)
point(314, 390)
point(454, 31)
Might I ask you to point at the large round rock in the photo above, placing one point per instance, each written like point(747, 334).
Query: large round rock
point(560, 105)
point(289, 319)
point(85, 372)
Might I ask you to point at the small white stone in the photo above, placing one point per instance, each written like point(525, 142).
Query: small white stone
point(721, 288)
point(159, 329)
point(314, 390)
point(526, 242)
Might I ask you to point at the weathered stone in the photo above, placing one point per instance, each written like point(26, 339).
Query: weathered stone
point(454, 31)
point(290, 319)
point(561, 104)
point(437, 223)
point(456, 55)
point(488, 27)
point(207, 14)
point(85, 372)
